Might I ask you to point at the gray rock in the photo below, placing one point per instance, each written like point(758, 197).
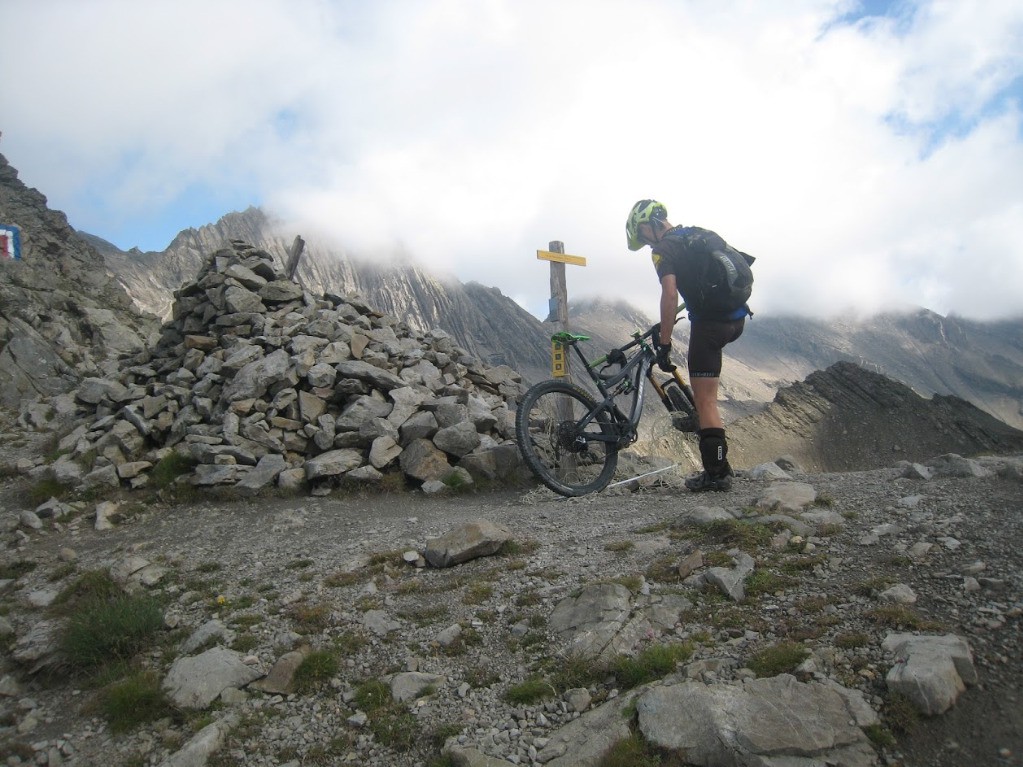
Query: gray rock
point(376, 377)
point(585, 740)
point(768, 471)
point(280, 291)
point(777, 722)
point(201, 746)
point(333, 463)
point(379, 622)
point(423, 461)
point(731, 581)
point(475, 539)
point(457, 440)
point(206, 633)
point(196, 681)
point(263, 474)
point(590, 621)
point(786, 497)
point(281, 679)
point(410, 685)
point(257, 376)
point(932, 671)
point(952, 465)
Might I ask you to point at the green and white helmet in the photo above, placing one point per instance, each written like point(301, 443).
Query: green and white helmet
point(643, 212)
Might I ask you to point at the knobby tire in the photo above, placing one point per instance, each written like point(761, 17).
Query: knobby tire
point(683, 411)
point(564, 458)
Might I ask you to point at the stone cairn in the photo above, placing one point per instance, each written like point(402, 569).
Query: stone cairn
point(262, 384)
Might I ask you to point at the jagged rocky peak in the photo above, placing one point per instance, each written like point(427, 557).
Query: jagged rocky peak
point(259, 383)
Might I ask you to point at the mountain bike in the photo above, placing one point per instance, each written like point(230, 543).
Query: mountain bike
point(570, 439)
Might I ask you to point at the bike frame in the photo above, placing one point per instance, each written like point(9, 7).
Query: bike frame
point(628, 380)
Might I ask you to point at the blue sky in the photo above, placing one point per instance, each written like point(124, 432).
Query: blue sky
point(870, 154)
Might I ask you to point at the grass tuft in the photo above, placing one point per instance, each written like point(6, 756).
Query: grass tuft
point(102, 630)
point(654, 662)
point(317, 667)
point(778, 659)
point(134, 701)
point(532, 690)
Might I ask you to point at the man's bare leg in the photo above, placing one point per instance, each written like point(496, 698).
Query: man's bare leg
point(705, 392)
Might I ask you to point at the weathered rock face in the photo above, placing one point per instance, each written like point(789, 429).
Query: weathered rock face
point(61, 315)
point(261, 383)
point(847, 418)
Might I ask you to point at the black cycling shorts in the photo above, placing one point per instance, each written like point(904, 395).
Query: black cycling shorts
point(706, 340)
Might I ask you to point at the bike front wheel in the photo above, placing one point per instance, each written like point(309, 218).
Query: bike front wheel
point(565, 456)
point(683, 411)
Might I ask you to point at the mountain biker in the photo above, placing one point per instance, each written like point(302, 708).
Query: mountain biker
point(680, 258)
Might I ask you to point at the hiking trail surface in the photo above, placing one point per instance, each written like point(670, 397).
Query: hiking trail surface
point(271, 578)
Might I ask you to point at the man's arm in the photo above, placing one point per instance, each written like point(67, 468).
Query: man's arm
point(669, 306)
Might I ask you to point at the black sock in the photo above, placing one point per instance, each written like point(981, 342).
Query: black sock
point(714, 452)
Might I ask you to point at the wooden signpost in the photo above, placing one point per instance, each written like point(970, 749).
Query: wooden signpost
point(558, 305)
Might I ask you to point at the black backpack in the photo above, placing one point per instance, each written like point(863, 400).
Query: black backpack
point(725, 281)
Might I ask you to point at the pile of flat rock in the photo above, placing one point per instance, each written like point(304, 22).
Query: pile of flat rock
point(261, 384)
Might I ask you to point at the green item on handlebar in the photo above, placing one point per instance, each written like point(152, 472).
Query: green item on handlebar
point(565, 337)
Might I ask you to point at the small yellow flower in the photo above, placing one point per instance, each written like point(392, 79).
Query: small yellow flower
point(221, 600)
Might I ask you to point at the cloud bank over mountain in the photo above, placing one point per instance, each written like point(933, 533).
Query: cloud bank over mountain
point(867, 153)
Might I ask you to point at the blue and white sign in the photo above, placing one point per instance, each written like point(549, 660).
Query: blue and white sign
point(10, 243)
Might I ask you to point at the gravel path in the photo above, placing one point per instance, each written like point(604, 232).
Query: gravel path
point(265, 567)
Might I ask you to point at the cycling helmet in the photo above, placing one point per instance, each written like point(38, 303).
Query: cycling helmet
point(643, 212)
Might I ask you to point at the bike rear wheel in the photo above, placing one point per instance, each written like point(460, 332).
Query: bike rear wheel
point(563, 455)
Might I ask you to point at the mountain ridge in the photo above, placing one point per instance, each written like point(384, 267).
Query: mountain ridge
point(978, 361)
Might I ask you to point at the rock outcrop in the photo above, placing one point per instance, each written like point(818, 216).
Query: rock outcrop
point(258, 383)
point(61, 315)
point(847, 418)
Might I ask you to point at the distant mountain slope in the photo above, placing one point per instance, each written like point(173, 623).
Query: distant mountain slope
point(484, 321)
point(847, 418)
point(979, 362)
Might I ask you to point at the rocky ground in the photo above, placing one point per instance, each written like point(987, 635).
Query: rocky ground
point(266, 576)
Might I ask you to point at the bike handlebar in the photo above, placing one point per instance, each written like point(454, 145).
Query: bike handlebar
point(638, 338)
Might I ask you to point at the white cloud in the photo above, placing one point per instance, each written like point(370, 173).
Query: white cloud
point(861, 162)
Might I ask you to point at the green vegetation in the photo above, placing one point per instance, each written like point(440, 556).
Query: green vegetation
point(14, 570)
point(634, 751)
point(100, 631)
point(901, 617)
point(619, 547)
point(851, 640)
point(477, 593)
point(654, 662)
point(168, 469)
point(899, 713)
point(761, 582)
point(391, 724)
point(316, 668)
point(309, 618)
point(532, 690)
point(45, 489)
point(104, 625)
point(134, 701)
point(778, 659)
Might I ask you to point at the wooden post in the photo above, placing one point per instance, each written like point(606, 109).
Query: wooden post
point(559, 300)
point(559, 289)
point(294, 255)
point(558, 306)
